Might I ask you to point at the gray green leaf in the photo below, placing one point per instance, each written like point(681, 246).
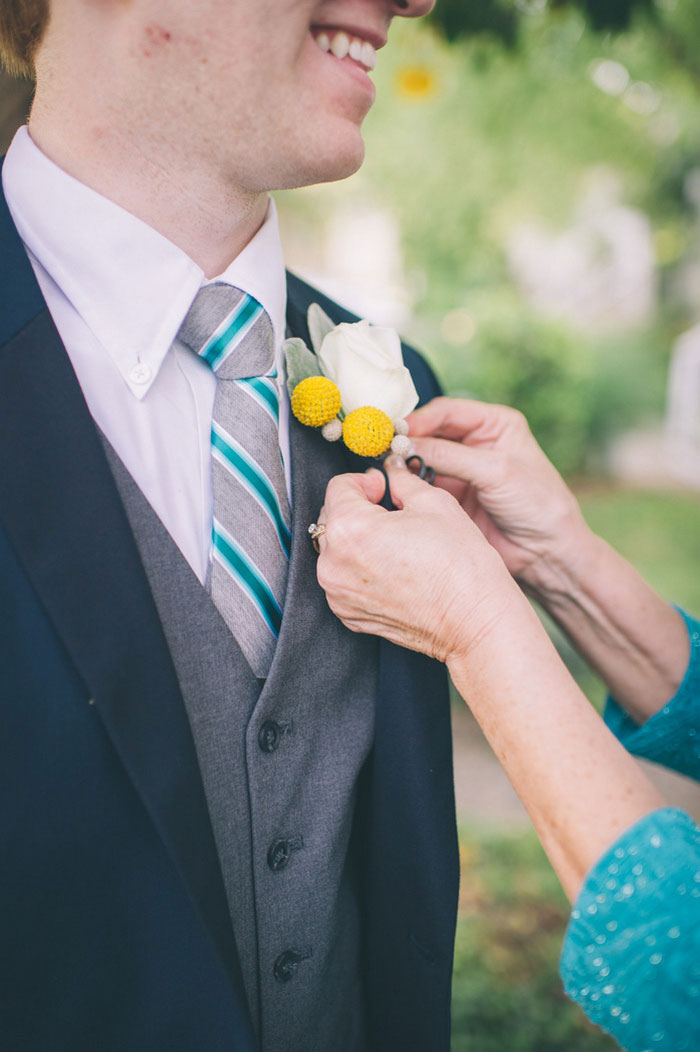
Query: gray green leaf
point(301, 362)
point(319, 325)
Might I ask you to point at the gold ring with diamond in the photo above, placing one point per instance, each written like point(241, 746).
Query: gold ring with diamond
point(316, 530)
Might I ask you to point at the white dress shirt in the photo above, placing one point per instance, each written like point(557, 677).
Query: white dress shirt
point(118, 292)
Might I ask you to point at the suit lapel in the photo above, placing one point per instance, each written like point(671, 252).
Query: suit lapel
point(64, 518)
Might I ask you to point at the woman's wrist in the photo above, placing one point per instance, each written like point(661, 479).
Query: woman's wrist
point(486, 632)
point(559, 577)
point(627, 633)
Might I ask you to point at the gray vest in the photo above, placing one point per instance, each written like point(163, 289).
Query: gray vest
point(280, 769)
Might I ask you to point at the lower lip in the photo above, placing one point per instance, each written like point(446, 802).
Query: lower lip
point(351, 68)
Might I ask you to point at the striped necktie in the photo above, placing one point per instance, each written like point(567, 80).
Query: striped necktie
point(250, 544)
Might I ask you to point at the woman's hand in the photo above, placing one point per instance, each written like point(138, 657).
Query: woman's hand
point(486, 456)
point(422, 576)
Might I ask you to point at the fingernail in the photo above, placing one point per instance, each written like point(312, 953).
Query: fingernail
point(395, 461)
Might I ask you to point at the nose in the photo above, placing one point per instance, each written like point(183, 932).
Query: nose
point(411, 8)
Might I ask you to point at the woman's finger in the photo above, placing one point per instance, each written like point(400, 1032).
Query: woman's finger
point(411, 492)
point(348, 491)
point(453, 418)
point(457, 461)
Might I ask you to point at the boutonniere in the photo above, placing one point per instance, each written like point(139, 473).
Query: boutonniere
point(352, 384)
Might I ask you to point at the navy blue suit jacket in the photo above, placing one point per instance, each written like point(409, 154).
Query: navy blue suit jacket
point(114, 927)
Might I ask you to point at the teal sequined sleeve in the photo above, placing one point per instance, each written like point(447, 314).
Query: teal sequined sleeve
point(672, 736)
point(631, 956)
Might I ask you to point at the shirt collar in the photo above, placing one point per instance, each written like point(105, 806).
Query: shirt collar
point(129, 284)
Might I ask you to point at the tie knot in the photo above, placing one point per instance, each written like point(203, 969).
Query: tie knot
point(230, 331)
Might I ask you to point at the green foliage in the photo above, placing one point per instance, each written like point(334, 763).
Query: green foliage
point(492, 146)
point(613, 15)
point(518, 359)
point(506, 990)
point(628, 384)
point(501, 18)
point(577, 391)
point(457, 18)
point(675, 24)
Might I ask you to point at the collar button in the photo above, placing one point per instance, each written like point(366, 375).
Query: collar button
point(141, 373)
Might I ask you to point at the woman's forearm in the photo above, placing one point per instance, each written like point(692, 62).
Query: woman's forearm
point(636, 642)
point(579, 785)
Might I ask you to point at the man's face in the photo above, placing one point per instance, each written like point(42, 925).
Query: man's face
point(264, 89)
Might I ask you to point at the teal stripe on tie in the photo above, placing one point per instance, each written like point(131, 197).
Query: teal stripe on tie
point(264, 391)
point(245, 572)
point(231, 332)
point(234, 457)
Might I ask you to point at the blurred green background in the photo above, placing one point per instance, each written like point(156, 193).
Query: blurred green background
point(529, 216)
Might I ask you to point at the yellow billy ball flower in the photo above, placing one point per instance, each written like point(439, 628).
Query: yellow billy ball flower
point(368, 431)
point(315, 401)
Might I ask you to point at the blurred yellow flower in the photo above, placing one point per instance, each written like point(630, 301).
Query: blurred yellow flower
point(416, 82)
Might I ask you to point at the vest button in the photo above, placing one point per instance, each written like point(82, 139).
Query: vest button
point(280, 852)
point(285, 967)
point(269, 736)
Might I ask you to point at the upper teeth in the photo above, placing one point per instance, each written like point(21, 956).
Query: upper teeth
point(341, 45)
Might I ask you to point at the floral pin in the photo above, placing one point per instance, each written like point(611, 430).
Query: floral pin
point(353, 384)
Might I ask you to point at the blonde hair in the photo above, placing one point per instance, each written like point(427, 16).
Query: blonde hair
point(22, 25)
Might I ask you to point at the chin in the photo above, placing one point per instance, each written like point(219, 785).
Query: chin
point(339, 166)
point(328, 161)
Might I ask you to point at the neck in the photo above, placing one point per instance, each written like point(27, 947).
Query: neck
point(152, 177)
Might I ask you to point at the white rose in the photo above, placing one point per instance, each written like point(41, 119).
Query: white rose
point(366, 363)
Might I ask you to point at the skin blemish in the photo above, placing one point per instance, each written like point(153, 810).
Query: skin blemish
point(156, 36)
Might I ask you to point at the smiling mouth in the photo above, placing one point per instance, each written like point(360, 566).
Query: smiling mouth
point(345, 45)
